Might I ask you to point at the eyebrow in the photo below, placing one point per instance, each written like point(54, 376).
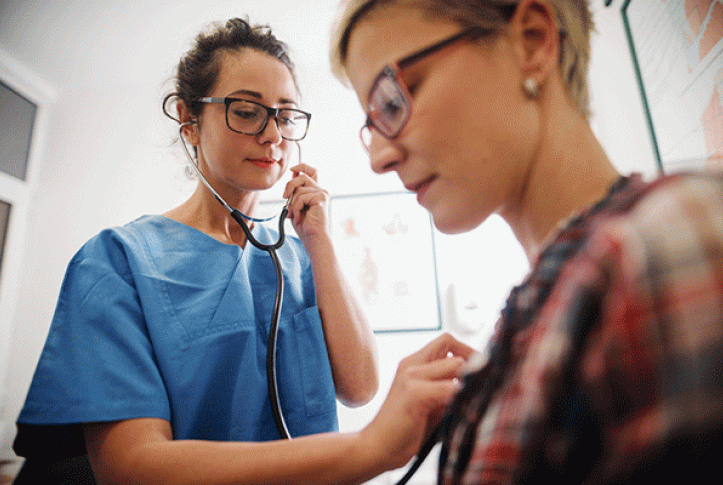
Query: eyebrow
point(259, 96)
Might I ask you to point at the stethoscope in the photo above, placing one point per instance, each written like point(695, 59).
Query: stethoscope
point(239, 217)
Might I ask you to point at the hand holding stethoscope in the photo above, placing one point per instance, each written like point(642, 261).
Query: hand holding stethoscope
point(308, 209)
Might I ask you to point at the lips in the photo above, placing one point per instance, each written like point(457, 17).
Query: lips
point(421, 187)
point(263, 162)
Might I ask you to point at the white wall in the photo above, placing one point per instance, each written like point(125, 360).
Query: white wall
point(107, 158)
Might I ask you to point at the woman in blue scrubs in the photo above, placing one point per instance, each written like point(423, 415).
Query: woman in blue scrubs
point(155, 365)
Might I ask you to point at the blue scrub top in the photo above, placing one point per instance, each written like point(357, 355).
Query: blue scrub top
point(157, 319)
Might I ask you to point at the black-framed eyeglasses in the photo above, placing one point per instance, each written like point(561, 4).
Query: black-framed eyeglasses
point(389, 104)
point(250, 118)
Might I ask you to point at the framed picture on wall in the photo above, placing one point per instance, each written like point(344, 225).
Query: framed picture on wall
point(677, 49)
point(385, 245)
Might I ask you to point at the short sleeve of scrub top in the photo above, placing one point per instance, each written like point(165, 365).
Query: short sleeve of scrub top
point(157, 319)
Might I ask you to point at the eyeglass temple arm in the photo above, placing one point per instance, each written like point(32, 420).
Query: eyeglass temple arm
point(411, 59)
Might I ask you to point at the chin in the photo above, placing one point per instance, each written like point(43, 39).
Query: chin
point(454, 225)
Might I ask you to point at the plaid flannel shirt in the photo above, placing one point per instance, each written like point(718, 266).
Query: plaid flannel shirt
point(607, 364)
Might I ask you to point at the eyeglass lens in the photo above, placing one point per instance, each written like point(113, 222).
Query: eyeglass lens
point(389, 102)
point(388, 105)
point(251, 118)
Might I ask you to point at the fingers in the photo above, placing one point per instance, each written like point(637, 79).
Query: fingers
point(307, 195)
point(444, 368)
point(304, 168)
point(440, 394)
point(303, 176)
point(432, 382)
point(439, 348)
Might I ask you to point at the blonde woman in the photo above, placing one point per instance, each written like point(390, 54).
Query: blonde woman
point(606, 363)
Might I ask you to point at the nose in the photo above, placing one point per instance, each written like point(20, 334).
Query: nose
point(384, 155)
point(271, 131)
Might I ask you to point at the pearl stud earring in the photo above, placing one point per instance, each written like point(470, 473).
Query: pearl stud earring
point(530, 87)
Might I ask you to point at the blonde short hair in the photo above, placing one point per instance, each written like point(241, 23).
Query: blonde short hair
point(573, 19)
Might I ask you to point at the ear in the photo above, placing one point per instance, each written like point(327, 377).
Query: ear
point(189, 131)
point(536, 39)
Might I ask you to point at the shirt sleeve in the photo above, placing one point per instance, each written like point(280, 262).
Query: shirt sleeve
point(98, 362)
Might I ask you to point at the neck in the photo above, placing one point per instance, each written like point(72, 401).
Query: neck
point(570, 171)
point(203, 212)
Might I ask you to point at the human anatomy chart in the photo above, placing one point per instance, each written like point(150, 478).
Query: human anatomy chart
point(385, 246)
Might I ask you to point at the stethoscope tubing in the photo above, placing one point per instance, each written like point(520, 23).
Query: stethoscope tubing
point(239, 217)
point(271, 379)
